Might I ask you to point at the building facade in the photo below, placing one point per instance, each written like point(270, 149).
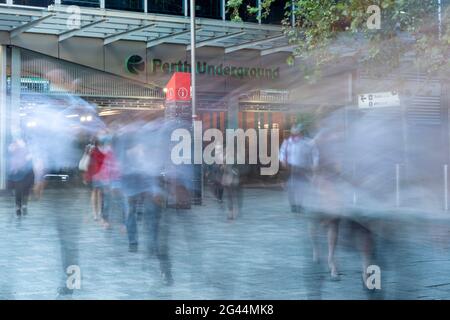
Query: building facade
point(119, 55)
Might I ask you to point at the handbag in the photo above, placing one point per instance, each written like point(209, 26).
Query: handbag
point(83, 165)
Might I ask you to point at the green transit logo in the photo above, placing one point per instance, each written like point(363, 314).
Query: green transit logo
point(135, 64)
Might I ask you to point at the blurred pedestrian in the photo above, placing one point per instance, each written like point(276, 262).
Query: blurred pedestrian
point(299, 156)
point(107, 177)
point(329, 186)
point(92, 177)
point(21, 174)
point(231, 183)
point(142, 163)
point(216, 174)
point(311, 190)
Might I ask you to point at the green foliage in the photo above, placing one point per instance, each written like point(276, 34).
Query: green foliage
point(323, 28)
point(307, 120)
point(233, 7)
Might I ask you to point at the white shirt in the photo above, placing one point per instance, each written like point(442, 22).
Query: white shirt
point(300, 152)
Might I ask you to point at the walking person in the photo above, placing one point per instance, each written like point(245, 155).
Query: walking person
point(117, 196)
point(138, 178)
point(91, 177)
point(231, 184)
point(300, 157)
point(330, 188)
point(142, 163)
point(217, 174)
point(107, 178)
point(308, 189)
point(21, 174)
point(216, 177)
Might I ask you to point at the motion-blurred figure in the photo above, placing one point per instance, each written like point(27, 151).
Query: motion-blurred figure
point(231, 184)
point(299, 156)
point(330, 201)
point(107, 177)
point(374, 148)
point(142, 162)
point(93, 176)
point(39, 176)
point(216, 174)
point(55, 138)
point(21, 174)
point(311, 189)
point(117, 198)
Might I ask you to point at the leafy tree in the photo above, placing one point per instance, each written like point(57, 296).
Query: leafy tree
point(326, 30)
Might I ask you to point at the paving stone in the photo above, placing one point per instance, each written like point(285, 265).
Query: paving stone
point(264, 254)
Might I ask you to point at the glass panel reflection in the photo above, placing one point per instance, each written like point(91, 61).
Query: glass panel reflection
point(82, 3)
point(34, 3)
point(174, 7)
point(127, 5)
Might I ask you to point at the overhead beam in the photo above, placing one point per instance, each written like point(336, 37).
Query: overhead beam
point(27, 26)
point(289, 48)
point(251, 44)
point(3, 117)
point(133, 16)
point(216, 39)
point(164, 39)
point(14, 18)
point(117, 37)
point(69, 34)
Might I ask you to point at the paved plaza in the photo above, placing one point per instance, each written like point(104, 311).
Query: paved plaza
point(264, 254)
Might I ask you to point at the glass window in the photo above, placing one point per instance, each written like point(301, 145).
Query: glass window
point(166, 6)
point(128, 5)
point(208, 9)
point(82, 3)
point(34, 3)
point(243, 12)
point(2, 1)
point(276, 14)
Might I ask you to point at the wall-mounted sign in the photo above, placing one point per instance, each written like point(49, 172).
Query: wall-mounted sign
point(378, 100)
point(159, 66)
point(33, 84)
point(179, 87)
point(135, 64)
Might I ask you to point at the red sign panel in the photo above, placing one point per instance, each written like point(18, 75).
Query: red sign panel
point(179, 87)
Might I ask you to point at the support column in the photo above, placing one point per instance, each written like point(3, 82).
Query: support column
point(3, 118)
point(15, 90)
point(233, 113)
point(223, 9)
point(259, 12)
point(186, 7)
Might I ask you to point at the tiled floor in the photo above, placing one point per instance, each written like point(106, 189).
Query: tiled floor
point(264, 254)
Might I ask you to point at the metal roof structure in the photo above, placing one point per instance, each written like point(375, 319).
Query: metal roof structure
point(44, 74)
point(153, 29)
